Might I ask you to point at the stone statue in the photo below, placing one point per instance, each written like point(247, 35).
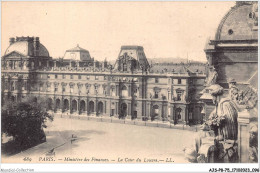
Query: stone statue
point(227, 109)
point(224, 116)
point(219, 143)
point(212, 76)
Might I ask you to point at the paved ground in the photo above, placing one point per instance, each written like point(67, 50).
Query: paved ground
point(103, 142)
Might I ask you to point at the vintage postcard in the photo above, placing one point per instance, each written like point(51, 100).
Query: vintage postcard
point(129, 82)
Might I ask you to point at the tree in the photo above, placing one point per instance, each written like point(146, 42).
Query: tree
point(24, 121)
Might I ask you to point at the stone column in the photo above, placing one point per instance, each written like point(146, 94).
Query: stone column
point(61, 104)
point(117, 90)
point(116, 109)
point(243, 136)
point(162, 115)
point(148, 110)
point(95, 107)
point(79, 106)
point(87, 105)
point(186, 116)
point(70, 106)
point(129, 90)
point(129, 110)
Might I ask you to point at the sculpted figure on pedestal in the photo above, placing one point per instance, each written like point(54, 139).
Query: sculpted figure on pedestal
point(212, 76)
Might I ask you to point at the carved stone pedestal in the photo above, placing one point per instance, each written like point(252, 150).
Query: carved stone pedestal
point(243, 136)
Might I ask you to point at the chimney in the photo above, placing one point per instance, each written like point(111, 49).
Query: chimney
point(36, 45)
point(11, 40)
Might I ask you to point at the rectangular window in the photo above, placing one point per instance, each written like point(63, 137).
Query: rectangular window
point(41, 87)
point(48, 76)
point(63, 76)
point(56, 76)
point(157, 80)
point(179, 94)
point(96, 77)
point(79, 77)
point(124, 67)
point(113, 93)
point(12, 86)
point(179, 81)
point(156, 95)
point(112, 112)
point(87, 77)
point(56, 89)
point(71, 76)
point(63, 89)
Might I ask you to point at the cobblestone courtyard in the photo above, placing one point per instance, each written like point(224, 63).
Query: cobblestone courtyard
point(103, 142)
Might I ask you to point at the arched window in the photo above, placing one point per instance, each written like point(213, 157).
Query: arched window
point(49, 104)
point(100, 107)
point(82, 106)
point(74, 105)
point(91, 106)
point(66, 105)
point(156, 94)
point(58, 104)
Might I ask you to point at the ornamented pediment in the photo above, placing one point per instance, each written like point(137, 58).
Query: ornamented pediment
point(56, 84)
point(79, 85)
point(157, 89)
point(48, 84)
point(179, 89)
point(71, 84)
point(104, 85)
point(14, 54)
point(112, 86)
point(87, 85)
point(125, 57)
point(63, 84)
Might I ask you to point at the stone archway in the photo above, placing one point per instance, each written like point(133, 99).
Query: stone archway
point(74, 105)
point(155, 112)
point(58, 105)
point(82, 106)
point(66, 105)
point(91, 105)
point(100, 108)
point(123, 110)
point(49, 104)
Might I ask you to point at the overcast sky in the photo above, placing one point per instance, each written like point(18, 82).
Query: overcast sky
point(164, 29)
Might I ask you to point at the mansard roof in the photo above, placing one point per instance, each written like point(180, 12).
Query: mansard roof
point(26, 47)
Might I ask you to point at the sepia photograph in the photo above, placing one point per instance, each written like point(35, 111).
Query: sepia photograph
point(117, 82)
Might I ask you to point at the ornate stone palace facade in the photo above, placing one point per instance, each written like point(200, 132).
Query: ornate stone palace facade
point(76, 84)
